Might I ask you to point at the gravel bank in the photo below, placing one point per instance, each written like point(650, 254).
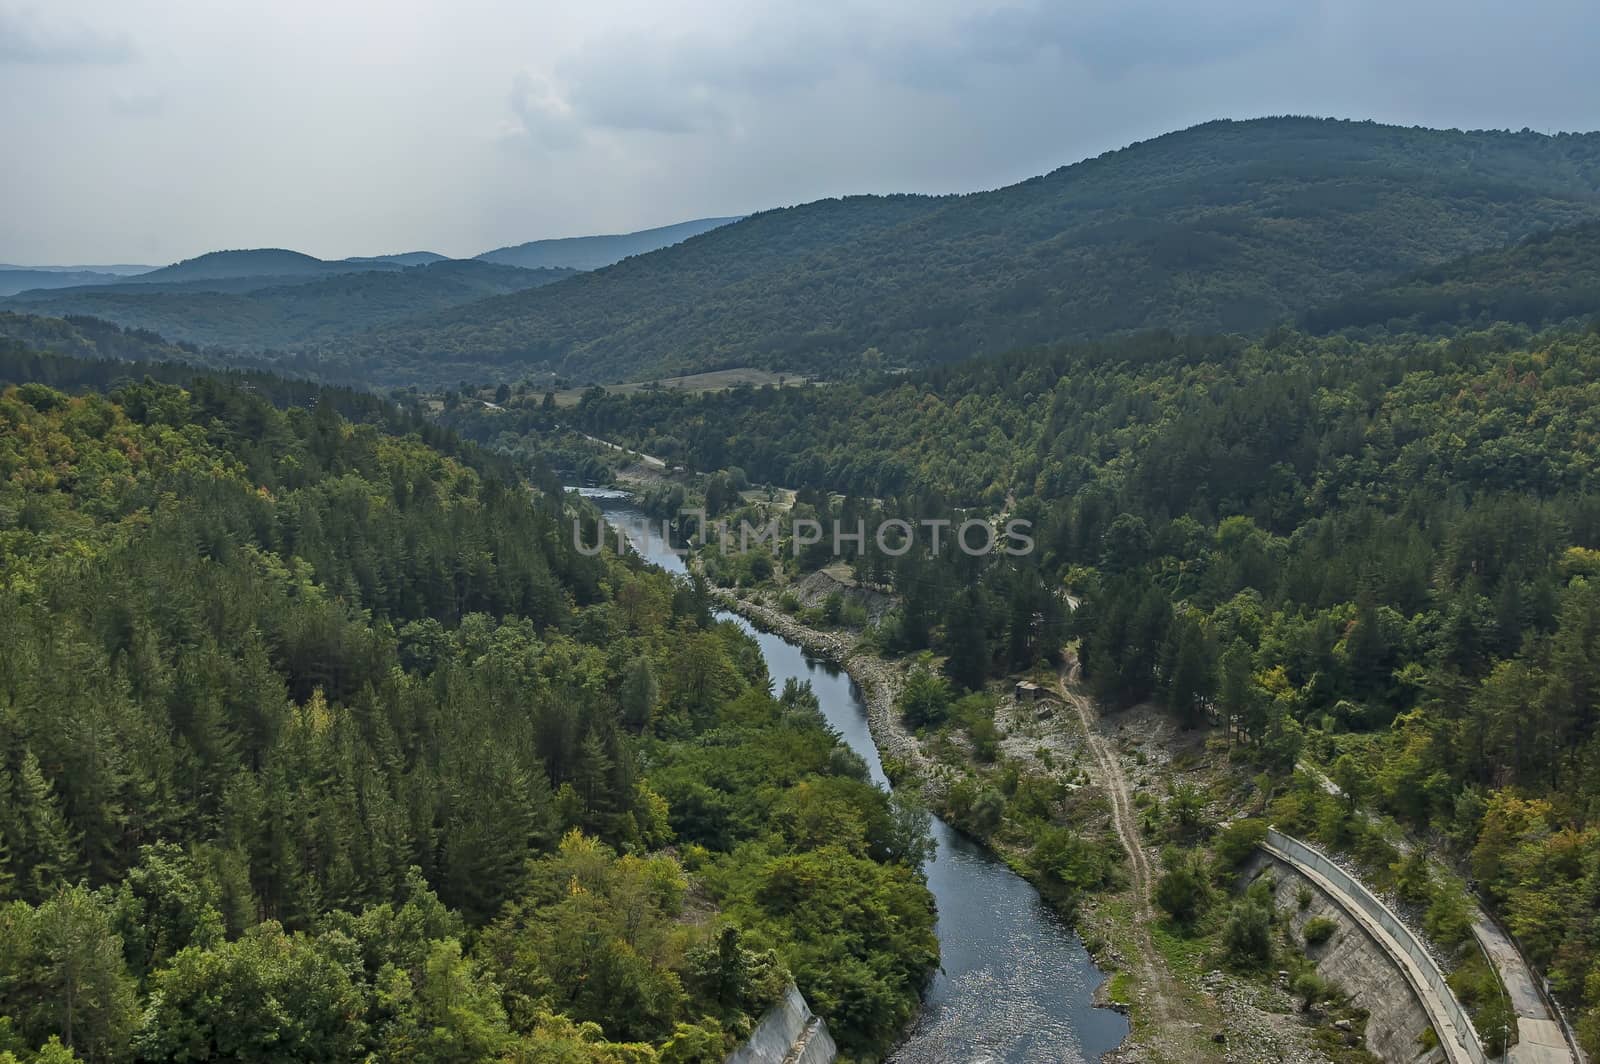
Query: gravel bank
point(879, 680)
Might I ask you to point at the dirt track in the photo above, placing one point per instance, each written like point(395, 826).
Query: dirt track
point(1153, 979)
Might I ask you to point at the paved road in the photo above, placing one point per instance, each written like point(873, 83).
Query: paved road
point(1539, 1037)
point(648, 459)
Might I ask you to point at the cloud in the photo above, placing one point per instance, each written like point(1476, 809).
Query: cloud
point(269, 116)
point(541, 113)
point(134, 104)
point(1112, 39)
point(633, 82)
point(683, 80)
point(26, 37)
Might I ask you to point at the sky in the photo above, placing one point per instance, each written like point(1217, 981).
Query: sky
point(146, 131)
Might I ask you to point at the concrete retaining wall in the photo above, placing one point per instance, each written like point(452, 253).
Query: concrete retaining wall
point(1355, 961)
point(788, 1034)
point(1433, 990)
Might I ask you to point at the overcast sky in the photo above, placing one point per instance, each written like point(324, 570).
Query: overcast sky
point(146, 131)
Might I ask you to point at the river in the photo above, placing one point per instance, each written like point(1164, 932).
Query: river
point(1016, 983)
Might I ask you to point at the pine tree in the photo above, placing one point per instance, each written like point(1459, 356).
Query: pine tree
point(77, 961)
point(967, 641)
point(639, 694)
point(48, 851)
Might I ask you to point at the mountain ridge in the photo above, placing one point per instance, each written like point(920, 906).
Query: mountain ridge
point(1227, 226)
point(600, 250)
point(254, 313)
point(24, 279)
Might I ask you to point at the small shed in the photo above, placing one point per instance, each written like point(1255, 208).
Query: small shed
point(1028, 691)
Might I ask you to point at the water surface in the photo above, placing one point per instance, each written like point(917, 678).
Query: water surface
point(1016, 983)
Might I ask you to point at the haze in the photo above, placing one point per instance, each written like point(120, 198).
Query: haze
point(147, 132)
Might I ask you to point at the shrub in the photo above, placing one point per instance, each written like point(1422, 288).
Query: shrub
point(1247, 936)
point(976, 807)
point(833, 607)
point(925, 702)
point(975, 713)
point(1310, 988)
point(1183, 890)
point(1448, 920)
point(1412, 880)
point(1069, 861)
point(1238, 841)
point(1318, 930)
point(1185, 811)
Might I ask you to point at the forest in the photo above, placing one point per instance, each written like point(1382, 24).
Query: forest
point(319, 738)
point(1548, 279)
point(271, 312)
point(319, 741)
point(1228, 226)
point(1381, 555)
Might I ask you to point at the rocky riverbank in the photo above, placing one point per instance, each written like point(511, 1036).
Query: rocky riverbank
point(880, 681)
point(1220, 1017)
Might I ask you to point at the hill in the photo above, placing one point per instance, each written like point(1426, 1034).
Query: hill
point(253, 262)
point(407, 258)
point(86, 338)
point(1228, 226)
point(22, 279)
point(340, 591)
point(121, 269)
point(1379, 559)
point(1549, 278)
point(256, 313)
point(593, 252)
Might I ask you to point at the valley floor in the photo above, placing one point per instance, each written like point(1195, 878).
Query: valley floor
point(1181, 1010)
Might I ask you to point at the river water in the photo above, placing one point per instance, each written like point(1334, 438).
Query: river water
point(1015, 984)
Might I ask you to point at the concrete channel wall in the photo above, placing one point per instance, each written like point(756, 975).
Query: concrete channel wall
point(1457, 1037)
point(790, 1033)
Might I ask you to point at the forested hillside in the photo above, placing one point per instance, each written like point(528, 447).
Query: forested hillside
point(1381, 557)
point(593, 252)
point(67, 351)
point(89, 338)
point(257, 262)
point(1229, 226)
point(1547, 279)
point(13, 280)
point(253, 313)
point(321, 741)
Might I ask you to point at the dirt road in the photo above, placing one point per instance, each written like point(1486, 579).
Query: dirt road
point(1154, 1002)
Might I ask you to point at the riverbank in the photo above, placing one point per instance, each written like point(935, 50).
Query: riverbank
point(1180, 1009)
point(880, 682)
point(1014, 983)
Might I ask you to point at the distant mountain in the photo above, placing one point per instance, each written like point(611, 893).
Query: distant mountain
point(1228, 226)
point(593, 252)
point(91, 338)
point(408, 258)
point(87, 338)
point(286, 311)
point(1549, 278)
point(123, 269)
point(255, 262)
point(21, 279)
